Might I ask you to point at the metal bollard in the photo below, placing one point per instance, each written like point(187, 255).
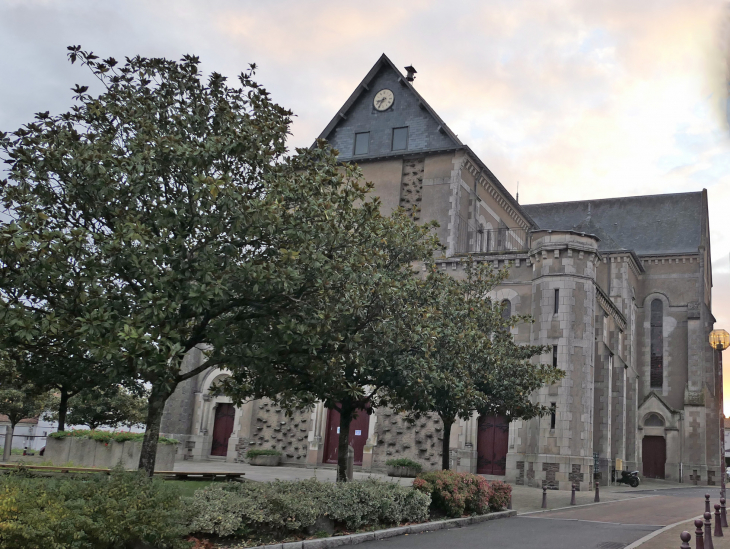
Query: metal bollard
point(699, 543)
point(718, 523)
point(685, 537)
point(708, 531)
point(723, 513)
point(598, 496)
point(544, 497)
point(707, 503)
point(509, 505)
point(572, 495)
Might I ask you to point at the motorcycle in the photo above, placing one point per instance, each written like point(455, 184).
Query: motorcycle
point(629, 477)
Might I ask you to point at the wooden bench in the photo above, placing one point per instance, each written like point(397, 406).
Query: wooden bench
point(168, 475)
point(199, 475)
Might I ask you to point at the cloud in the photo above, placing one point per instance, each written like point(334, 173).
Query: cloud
point(573, 99)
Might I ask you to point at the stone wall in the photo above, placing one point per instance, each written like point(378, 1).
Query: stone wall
point(271, 428)
point(85, 452)
point(397, 438)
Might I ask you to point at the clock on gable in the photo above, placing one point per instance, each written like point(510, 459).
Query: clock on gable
point(383, 100)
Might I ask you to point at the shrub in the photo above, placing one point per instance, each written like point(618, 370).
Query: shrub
point(455, 494)
point(279, 508)
point(404, 462)
point(253, 452)
point(501, 493)
point(93, 512)
point(108, 436)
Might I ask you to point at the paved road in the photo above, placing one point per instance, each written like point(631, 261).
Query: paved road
point(604, 526)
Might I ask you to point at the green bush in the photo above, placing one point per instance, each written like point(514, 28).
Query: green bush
point(501, 494)
point(455, 494)
point(404, 462)
point(108, 436)
point(279, 509)
point(253, 452)
point(93, 512)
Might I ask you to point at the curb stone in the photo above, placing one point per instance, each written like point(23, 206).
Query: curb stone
point(354, 539)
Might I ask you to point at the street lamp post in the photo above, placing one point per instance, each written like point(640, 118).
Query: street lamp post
point(720, 340)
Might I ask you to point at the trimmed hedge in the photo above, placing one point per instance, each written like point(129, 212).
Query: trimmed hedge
point(455, 494)
point(280, 509)
point(94, 512)
point(253, 452)
point(404, 462)
point(108, 436)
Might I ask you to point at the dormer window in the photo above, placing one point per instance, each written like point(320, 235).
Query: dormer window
point(400, 139)
point(362, 143)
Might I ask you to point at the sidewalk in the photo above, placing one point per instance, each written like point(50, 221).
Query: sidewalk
point(267, 474)
point(670, 538)
point(524, 499)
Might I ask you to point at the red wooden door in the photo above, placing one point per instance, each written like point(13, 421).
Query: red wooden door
point(222, 429)
point(358, 435)
point(492, 440)
point(653, 456)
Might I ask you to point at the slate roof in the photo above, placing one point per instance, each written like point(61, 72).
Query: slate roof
point(653, 224)
point(409, 109)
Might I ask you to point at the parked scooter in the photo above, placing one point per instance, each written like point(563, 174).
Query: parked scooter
point(629, 477)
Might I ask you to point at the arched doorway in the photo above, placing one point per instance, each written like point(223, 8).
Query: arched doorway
point(492, 442)
point(653, 456)
point(222, 428)
point(359, 428)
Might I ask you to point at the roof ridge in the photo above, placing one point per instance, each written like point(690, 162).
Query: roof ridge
point(612, 198)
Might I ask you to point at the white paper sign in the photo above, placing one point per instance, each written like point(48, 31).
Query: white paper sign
point(358, 433)
point(338, 430)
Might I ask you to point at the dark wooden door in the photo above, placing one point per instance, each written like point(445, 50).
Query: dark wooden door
point(222, 429)
point(358, 435)
point(492, 441)
point(654, 456)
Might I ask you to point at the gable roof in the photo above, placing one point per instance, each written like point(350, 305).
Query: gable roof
point(653, 224)
point(431, 133)
point(430, 130)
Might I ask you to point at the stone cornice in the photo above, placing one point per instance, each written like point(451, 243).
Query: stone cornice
point(610, 308)
point(495, 193)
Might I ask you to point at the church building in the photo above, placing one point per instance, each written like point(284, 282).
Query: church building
point(620, 290)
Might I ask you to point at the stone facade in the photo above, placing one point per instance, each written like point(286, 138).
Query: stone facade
point(620, 290)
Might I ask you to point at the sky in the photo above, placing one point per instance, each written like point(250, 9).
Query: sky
point(567, 98)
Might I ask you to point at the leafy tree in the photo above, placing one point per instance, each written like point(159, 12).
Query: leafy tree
point(476, 364)
point(171, 200)
point(354, 343)
point(109, 407)
point(19, 399)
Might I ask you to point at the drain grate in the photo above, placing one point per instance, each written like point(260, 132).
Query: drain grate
point(611, 545)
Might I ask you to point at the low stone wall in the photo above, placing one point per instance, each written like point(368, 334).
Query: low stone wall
point(85, 452)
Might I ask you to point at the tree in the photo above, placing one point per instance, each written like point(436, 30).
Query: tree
point(476, 364)
point(109, 407)
point(172, 202)
point(355, 342)
point(19, 399)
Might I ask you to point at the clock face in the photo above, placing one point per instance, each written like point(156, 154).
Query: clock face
point(383, 99)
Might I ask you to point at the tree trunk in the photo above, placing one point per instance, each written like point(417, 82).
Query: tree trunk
point(155, 407)
point(62, 409)
point(346, 414)
point(445, 443)
point(8, 442)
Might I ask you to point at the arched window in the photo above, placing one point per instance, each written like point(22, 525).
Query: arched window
point(656, 376)
point(506, 309)
point(654, 420)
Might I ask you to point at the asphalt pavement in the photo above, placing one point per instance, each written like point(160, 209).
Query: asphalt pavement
point(610, 525)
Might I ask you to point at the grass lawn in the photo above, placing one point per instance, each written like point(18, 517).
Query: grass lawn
point(188, 487)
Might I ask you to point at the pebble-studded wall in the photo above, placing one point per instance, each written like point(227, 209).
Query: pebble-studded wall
point(397, 438)
point(273, 429)
point(411, 191)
